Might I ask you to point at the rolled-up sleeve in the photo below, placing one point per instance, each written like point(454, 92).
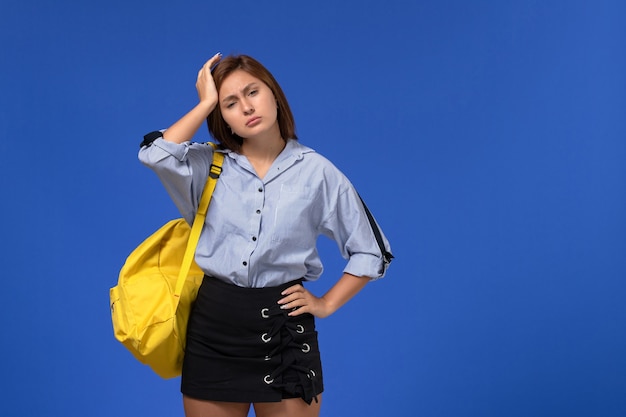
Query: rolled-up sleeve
point(182, 168)
point(349, 226)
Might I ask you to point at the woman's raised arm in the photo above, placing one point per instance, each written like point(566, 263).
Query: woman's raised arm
point(187, 126)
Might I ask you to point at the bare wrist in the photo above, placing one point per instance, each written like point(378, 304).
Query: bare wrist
point(206, 105)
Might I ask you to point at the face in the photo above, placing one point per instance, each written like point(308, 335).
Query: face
point(248, 106)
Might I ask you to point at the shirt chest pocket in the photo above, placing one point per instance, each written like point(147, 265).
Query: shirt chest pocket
point(295, 216)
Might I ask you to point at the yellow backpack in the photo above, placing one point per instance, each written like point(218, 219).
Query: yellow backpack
point(159, 281)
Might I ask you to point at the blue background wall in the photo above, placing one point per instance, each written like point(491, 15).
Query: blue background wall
point(488, 137)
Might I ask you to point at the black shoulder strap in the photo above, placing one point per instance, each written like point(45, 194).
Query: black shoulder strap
point(150, 137)
point(387, 256)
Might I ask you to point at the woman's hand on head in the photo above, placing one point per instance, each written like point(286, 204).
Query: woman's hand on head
point(187, 126)
point(300, 300)
point(205, 84)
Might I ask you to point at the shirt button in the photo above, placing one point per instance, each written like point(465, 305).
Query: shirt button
point(258, 212)
point(254, 238)
point(245, 263)
point(260, 189)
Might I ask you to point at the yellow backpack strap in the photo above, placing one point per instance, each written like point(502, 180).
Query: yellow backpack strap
point(198, 221)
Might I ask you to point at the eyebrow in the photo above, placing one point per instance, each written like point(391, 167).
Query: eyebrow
point(244, 91)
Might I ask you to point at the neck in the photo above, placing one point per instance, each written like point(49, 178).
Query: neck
point(262, 150)
point(265, 148)
point(262, 154)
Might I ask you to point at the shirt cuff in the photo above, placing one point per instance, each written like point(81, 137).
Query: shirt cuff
point(177, 150)
point(365, 265)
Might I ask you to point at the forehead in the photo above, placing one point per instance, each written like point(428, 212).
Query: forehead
point(237, 81)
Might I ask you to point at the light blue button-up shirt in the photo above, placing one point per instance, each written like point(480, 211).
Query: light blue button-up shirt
point(263, 232)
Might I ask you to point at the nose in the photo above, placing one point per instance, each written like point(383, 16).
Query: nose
point(247, 107)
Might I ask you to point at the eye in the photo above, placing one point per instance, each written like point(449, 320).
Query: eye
point(230, 105)
point(253, 92)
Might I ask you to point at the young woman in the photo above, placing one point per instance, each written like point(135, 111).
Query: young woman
point(251, 337)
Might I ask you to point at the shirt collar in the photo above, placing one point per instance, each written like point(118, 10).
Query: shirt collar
point(293, 152)
point(293, 149)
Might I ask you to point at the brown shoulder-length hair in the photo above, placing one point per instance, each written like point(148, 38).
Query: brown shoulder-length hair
point(218, 127)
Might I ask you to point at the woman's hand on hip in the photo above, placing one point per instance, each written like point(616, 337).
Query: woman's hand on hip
point(300, 301)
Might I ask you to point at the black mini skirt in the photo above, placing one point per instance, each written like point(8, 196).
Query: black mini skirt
point(241, 347)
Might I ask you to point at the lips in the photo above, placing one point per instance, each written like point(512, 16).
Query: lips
point(253, 121)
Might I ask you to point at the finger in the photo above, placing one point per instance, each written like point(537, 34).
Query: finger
point(293, 289)
point(290, 296)
point(213, 60)
point(207, 65)
point(290, 299)
point(298, 311)
point(295, 304)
